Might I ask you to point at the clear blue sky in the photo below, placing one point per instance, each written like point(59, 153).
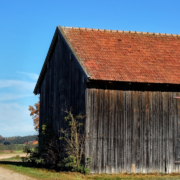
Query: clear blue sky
point(26, 31)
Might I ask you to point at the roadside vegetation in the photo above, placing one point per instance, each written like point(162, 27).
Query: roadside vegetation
point(15, 164)
point(70, 157)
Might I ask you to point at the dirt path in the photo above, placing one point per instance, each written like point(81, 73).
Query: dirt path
point(4, 156)
point(6, 174)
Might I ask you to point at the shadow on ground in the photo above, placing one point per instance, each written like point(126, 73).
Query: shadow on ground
point(24, 164)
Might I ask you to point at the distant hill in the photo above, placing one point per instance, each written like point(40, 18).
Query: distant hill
point(18, 139)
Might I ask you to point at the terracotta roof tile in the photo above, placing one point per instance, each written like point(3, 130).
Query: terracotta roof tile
point(127, 56)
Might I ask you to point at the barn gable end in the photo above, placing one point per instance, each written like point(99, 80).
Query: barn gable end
point(61, 84)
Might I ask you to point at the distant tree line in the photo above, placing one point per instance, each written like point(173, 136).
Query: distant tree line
point(17, 139)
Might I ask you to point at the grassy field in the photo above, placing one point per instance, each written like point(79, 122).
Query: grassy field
point(15, 147)
point(44, 174)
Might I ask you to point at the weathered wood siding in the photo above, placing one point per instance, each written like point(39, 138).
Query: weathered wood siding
point(129, 130)
point(62, 87)
point(132, 131)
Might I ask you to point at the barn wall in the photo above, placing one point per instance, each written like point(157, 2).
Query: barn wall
point(132, 131)
point(62, 87)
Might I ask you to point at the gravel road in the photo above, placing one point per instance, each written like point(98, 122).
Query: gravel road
point(6, 174)
point(4, 156)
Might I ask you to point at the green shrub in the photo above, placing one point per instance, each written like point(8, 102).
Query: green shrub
point(71, 157)
point(70, 164)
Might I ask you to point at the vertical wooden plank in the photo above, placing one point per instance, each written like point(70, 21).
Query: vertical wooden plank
point(171, 119)
point(111, 122)
point(95, 130)
point(175, 125)
point(131, 130)
point(116, 132)
point(56, 73)
point(164, 128)
point(157, 131)
point(103, 132)
point(99, 129)
point(153, 132)
point(49, 93)
point(128, 165)
point(144, 170)
point(178, 133)
point(76, 89)
point(92, 131)
point(44, 105)
point(40, 117)
point(69, 78)
point(141, 132)
point(73, 83)
point(168, 134)
point(126, 150)
point(132, 166)
point(54, 89)
point(138, 133)
point(134, 149)
point(101, 119)
point(87, 124)
point(175, 138)
point(59, 88)
point(124, 131)
point(128, 110)
point(161, 132)
point(119, 119)
point(113, 133)
point(107, 131)
point(147, 140)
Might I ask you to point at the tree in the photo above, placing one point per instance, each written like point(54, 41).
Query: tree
point(35, 114)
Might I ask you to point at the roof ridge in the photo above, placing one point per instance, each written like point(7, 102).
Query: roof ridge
point(118, 31)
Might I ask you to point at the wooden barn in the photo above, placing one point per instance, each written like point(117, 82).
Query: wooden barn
point(127, 84)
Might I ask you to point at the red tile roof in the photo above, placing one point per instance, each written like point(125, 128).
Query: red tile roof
point(127, 56)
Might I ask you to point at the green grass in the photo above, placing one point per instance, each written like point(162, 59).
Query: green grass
point(43, 174)
point(38, 173)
